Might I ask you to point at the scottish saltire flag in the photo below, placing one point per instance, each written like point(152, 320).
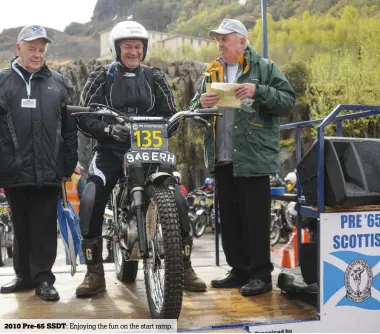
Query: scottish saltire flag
point(352, 279)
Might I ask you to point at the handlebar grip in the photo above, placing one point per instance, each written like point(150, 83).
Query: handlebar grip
point(204, 110)
point(77, 109)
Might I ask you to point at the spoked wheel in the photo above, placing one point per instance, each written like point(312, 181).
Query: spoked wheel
point(200, 225)
point(3, 247)
point(275, 230)
point(191, 223)
point(126, 271)
point(163, 270)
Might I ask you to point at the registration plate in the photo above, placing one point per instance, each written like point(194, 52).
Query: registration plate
point(149, 137)
point(150, 157)
point(209, 201)
point(277, 205)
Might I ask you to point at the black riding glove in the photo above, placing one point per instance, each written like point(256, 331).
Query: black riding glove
point(120, 133)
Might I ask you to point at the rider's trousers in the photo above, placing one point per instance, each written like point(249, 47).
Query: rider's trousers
point(104, 172)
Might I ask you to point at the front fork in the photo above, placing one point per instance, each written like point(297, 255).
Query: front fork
point(138, 201)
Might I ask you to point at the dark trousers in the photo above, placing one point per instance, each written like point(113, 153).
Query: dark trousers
point(104, 172)
point(34, 213)
point(244, 205)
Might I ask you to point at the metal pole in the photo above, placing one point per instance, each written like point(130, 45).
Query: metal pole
point(265, 33)
point(216, 224)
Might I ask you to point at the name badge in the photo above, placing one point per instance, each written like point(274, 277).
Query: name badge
point(28, 103)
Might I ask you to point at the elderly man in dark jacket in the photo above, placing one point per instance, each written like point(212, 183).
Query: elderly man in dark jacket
point(242, 150)
point(38, 150)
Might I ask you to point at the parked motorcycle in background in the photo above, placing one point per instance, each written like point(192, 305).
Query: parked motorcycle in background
point(6, 230)
point(283, 213)
point(201, 213)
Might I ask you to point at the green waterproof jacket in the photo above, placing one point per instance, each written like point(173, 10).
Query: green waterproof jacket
point(256, 135)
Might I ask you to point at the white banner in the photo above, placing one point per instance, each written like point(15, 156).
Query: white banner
point(349, 270)
point(87, 326)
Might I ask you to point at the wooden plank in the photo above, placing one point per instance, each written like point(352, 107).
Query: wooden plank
point(352, 208)
point(121, 301)
point(285, 197)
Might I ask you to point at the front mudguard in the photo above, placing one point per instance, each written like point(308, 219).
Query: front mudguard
point(161, 178)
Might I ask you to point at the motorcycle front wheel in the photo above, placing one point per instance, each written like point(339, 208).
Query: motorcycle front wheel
point(275, 230)
point(200, 225)
point(163, 270)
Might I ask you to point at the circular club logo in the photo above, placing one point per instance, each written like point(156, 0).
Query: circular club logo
point(358, 281)
point(135, 126)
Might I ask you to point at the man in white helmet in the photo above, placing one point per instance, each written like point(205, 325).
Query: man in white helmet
point(291, 181)
point(133, 89)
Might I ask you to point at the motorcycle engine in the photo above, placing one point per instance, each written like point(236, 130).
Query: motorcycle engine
point(291, 214)
point(129, 230)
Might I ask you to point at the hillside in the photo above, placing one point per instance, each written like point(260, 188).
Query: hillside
point(63, 47)
point(191, 17)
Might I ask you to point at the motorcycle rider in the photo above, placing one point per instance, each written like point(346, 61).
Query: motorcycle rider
point(291, 182)
point(178, 178)
point(132, 88)
point(208, 186)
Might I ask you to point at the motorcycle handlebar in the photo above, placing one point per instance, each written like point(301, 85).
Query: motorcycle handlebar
point(102, 110)
point(77, 109)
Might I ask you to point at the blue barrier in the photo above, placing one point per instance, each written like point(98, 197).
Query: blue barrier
point(303, 210)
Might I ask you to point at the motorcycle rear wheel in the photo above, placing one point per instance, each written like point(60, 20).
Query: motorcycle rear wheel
point(3, 248)
point(163, 270)
point(126, 271)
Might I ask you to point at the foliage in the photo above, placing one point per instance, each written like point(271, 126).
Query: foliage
point(299, 76)
point(4, 63)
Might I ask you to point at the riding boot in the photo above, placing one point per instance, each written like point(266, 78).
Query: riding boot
point(94, 281)
point(109, 257)
point(191, 281)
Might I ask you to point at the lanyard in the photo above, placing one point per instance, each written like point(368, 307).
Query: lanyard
point(28, 85)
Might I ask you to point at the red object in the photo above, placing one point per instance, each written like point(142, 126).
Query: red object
point(286, 262)
point(295, 247)
point(184, 190)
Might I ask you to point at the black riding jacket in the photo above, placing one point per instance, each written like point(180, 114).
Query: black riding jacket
point(129, 91)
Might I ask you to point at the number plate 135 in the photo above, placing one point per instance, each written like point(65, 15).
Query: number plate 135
point(149, 137)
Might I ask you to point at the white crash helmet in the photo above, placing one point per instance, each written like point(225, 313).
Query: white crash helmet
point(127, 30)
point(178, 175)
point(291, 177)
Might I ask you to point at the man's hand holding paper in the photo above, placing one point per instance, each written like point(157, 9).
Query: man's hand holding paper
point(245, 91)
point(227, 94)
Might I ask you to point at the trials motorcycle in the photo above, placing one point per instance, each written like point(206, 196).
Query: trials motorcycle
point(146, 224)
point(6, 231)
point(201, 212)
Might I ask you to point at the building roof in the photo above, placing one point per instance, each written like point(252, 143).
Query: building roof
point(167, 38)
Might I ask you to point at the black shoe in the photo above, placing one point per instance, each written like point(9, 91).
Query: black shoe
point(231, 280)
point(18, 284)
point(47, 292)
point(256, 287)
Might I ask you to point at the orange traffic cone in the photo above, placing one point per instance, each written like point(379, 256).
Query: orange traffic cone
point(295, 247)
point(286, 262)
point(306, 237)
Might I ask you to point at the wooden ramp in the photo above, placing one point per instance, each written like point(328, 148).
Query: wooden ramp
point(199, 312)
